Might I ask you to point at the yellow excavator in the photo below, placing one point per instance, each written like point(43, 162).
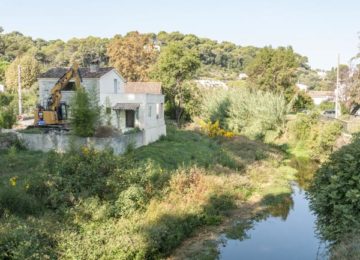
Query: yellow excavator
point(55, 112)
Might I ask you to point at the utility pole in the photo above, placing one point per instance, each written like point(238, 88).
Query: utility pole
point(337, 90)
point(19, 90)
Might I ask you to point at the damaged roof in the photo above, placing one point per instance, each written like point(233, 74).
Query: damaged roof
point(143, 87)
point(84, 72)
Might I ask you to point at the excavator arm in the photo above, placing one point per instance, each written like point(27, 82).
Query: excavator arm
point(53, 113)
point(55, 97)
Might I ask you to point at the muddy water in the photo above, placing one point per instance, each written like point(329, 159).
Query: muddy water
point(287, 231)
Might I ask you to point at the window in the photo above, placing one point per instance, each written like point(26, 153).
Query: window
point(149, 110)
point(157, 110)
point(70, 87)
point(161, 110)
point(115, 86)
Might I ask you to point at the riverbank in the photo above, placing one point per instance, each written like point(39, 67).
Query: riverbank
point(143, 204)
point(271, 198)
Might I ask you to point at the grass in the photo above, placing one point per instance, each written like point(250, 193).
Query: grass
point(169, 190)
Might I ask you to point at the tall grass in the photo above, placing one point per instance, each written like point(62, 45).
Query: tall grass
point(242, 111)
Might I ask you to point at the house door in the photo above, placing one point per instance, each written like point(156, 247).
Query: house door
point(130, 118)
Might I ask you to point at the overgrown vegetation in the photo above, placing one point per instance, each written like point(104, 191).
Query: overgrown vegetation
point(252, 113)
point(84, 113)
point(310, 137)
point(7, 111)
point(89, 205)
point(335, 193)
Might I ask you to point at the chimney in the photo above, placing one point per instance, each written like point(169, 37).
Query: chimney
point(94, 65)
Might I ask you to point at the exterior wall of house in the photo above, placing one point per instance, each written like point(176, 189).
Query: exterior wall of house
point(107, 83)
point(319, 100)
point(45, 86)
point(154, 121)
point(150, 115)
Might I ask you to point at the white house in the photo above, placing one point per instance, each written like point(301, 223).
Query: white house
point(127, 105)
point(2, 88)
point(211, 84)
point(320, 96)
point(243, 76)
point(302, 87)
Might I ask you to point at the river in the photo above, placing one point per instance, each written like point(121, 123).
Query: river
point(287, 231)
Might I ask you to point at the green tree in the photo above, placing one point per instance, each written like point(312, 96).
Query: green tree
point(3, 66)
point(132, 55)
point(176, 64)
point(275, 70)
point(30, 69)
point(84, 113)
point(7, 111)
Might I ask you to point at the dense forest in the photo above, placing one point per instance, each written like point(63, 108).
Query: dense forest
point(220, 60)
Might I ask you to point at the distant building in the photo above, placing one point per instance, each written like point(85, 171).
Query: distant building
point(321, 96)
point(302, 87)
point(2, 88)
point(211, 84)
point(321, 74)
point(243, 76)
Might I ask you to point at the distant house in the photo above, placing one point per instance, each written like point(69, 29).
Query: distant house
point(243, 76)
point(211, 84)
point(2, 88)
point(320, 96)
point(302, 87)
point(129, 104)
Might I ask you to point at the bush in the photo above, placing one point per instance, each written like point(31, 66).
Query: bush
point(7, 111)
point(335, 193)
point(20, 239)
point(15, 201)
point(315, 136)
point(246, 112)
point(131, 200)
point(84, 113)
point(348, 248)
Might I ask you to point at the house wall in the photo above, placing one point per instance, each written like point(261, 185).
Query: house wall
point(319, 100)
point(152, 123)
point(45, 86)
point(107, 83)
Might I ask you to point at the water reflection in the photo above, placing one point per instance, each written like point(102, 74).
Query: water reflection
point(285, 231)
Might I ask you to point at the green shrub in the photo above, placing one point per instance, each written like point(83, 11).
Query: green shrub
point(246, 112)
point(131, 200)
point(84, 113)
point(7, 111)
point(301, 127)
point(335, 193)
point(15, 201)
point(316, 137)
point(20, 239)
point(327, 105)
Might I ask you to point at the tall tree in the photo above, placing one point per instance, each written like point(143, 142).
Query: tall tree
point(132, 55)
point(30, 69)
point(176, 64)
point(275, 70)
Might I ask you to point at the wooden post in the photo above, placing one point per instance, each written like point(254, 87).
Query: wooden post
point(19, 90)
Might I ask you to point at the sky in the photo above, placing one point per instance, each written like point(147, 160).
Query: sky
point(318, 29)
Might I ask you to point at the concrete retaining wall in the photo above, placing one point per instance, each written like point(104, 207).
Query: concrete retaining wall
point(62, 142)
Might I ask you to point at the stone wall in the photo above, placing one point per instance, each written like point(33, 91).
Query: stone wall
point(62, 142)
